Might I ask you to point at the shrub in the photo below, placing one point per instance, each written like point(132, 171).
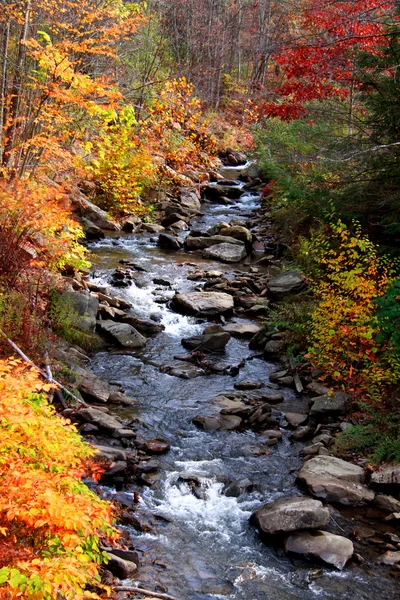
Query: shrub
point(348, 276)
point(50, 521)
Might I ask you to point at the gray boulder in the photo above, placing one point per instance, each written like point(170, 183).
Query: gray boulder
point(388, 477)
point(335, 480)
point(92, 232)
point(333, 550)
point(290, 514)
point(225, 252)
point(91, 387)
point(328, 407)
point(144, 326)
point(238, 232)
point(86, 305)
point(203, 242)
point(93, 213)
point(119, 567)
point(101, 419)
point(169, 241)
point(242, 330)
point(189, 200)
point(204, 303)
point(290, 282)
point(387, 503)
point(213, 339)
point(273, 349)
point(122, 333)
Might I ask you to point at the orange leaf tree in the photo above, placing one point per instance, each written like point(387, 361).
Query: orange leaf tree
point(50, 521)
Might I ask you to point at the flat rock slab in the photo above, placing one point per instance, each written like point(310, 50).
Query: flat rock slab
point(204, 303)
point(242, 330)
point(333, 550)
point(225, 252)
point(123, 334)
point(290, 514)
point(286, 283)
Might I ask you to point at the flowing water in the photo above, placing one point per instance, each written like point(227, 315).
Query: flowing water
point(203, 547)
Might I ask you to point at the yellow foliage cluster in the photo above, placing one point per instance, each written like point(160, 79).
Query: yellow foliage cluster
point(49, 520)
point(348, 276)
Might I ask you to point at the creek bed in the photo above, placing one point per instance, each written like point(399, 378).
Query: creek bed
point(201, 548)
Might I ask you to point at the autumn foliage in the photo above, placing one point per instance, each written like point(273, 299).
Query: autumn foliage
point(344, 340)
point(50, 521)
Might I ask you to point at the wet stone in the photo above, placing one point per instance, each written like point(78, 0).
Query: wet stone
point(157, 446)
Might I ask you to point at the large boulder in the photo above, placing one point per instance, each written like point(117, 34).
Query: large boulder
point(102, 420)
point(93, 213)
point(290, 514)
point(329, 407)
point(226, 253)
point(217, 192)
point(213, 339)
point(123, 334)
point(86, 305)
point(238, 232)
point(91, 387)
point(92, 232)
point(144, 326)
point(333, 550)
point(335, 480)
point(388, 477)
point(203, 242)
point(203, 303)
point(242, 330)
point(169, 241)
point(286, 283)
point(189, 200)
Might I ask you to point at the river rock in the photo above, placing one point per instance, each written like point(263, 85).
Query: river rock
point(144, 326)
point(213, 339)
point(153, 227)
point(238, 232)
point(93, 213)
point(390, 558)
point(333, 550)
point(290, 282)
point(85, 305)
point(91, 387)
point(290, 514)
point(273, 349)
point(157, 446)
point(189, 200)
point(248, 385)
point(122, 333)
point(335, 480)
point(103, 420)
point(203, 242)
point(119, 567)
point(172, 218)
point(120, 399)
point(215, 193)
point(242, 330)
point(326, 408)
point(387, 503)
point(388, 477)
point(204, 303)
point(169, 241)
point(296, 419)
point(225, 252)
point(131, 224)
point(92, 232)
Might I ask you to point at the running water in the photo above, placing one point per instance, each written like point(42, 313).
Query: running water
point(201, 545)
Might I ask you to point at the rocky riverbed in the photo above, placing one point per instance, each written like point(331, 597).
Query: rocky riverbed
point(220, 456)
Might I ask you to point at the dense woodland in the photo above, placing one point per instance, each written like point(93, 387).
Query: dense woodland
point(122, 101)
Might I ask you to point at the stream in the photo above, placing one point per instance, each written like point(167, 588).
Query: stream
point(201, 548)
